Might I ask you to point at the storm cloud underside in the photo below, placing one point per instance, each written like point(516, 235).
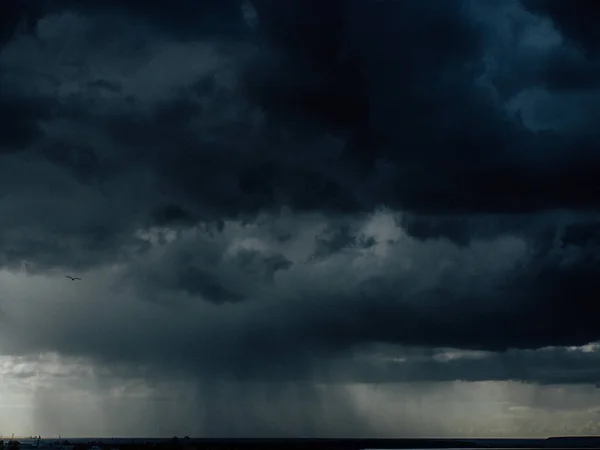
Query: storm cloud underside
point(269, 204)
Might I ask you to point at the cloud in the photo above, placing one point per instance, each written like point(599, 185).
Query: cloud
point(277, 197)
point(581, 32)
point(213, 304)
point(355, 122)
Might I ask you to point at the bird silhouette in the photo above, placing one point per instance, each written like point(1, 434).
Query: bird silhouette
point(72, 278)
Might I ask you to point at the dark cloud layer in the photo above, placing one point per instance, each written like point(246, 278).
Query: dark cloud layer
point(270, 200)
point(421, 126)
point(575, 19)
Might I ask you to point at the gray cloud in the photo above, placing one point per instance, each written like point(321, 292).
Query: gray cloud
point(274, 202)
point(225, 95)
point(228, 315)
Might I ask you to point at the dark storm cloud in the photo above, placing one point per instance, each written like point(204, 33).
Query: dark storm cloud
point(419, 128)
point(330, 109)
point(172, 214)
point(554, 306)
point(197, 282)
point(17, 16)
point(338, 238)
point(307, 321)
point(576, 20)
point(19, 124)
point(345, 71)
point(268, 265)
point(185, 18)
point(476, 157)
point(552, 366)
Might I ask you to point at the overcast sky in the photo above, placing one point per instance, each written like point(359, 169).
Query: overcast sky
point(299, 218)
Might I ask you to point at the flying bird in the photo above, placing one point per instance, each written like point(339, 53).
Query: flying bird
point(72, 278)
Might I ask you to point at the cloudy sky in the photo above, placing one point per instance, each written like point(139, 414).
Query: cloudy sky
point(299, 217)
